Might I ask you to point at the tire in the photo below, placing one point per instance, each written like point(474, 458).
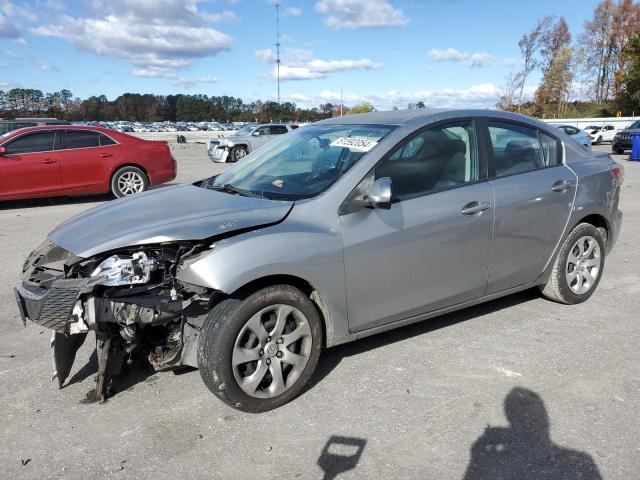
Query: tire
point(618, 150)
point(128, 181)
point(239, 363)
point(238, 153)
point(599, 140)
point(574, 278)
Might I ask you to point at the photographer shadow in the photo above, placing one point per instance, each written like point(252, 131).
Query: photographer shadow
point(524, 449)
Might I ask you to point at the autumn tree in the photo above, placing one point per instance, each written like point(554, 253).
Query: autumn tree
point(529, 45)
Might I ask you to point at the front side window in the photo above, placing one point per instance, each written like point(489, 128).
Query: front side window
point(516, 149)
point(31, 143)
point(436, 159)
point(263, 131)
point(303, 163)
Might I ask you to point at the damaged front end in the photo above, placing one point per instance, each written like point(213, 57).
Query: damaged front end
point(130, 298)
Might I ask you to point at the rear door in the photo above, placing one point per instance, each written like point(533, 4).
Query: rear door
point(534, 195)
point(31, 166)
point(86, 157)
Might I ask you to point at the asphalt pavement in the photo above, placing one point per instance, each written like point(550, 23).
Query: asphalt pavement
point(516, 388)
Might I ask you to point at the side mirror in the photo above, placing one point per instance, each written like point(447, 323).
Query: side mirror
point(379, 195)
point(255, 134)
point(3, 150)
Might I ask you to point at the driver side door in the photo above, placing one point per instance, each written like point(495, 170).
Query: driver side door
point(30, 167)
point(430, 249)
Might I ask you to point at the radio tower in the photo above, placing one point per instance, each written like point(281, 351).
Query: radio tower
point(278, 47)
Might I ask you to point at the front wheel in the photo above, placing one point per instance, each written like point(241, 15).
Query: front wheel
point(618, 150)
point(599, 140)
point(578, 267)
point(238, 153)
point(257, 353)
point(127, 181)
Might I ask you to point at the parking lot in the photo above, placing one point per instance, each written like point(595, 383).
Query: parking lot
point(501, 387)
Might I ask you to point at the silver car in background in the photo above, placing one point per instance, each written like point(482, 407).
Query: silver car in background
point(238, 145)
point(346, 228)
point(579, 136)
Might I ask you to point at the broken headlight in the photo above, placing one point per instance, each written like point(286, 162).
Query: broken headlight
point(120, 270)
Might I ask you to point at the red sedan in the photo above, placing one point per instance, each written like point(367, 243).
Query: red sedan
point(51, 161)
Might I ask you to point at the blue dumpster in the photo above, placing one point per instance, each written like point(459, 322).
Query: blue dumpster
point(635, 147)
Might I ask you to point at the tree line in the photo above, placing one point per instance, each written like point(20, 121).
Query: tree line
point(26, 102)
point(601, 66)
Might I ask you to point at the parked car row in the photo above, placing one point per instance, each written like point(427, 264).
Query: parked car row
point(56, 160)
point(122, 126)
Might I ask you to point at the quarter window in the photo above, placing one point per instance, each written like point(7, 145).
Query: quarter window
point(436, 159)
point(516, 149)
point(31, 143)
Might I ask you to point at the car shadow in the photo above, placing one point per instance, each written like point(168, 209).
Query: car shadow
point(53, 201)
point(524, 449)
point(332, 357)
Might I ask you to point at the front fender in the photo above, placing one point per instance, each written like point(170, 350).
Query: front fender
point(291, 248)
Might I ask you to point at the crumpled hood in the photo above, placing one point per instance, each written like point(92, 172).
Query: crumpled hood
point(181, 212)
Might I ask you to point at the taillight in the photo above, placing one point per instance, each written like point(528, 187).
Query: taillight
point(618, 173)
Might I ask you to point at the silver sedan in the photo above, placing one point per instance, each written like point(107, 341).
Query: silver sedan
point(347, 228)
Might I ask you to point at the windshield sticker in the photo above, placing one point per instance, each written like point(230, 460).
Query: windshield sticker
point(360, 144)
point(277, 183)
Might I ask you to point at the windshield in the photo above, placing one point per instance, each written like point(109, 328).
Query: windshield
point(635, 124)
point(303, 163)
point(245, 130)
point(594, 128)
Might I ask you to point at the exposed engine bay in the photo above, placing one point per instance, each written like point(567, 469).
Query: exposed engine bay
point(130, 298)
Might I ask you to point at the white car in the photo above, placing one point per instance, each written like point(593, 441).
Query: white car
point(601, 133)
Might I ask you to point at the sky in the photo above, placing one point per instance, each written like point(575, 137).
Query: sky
point(446, 53)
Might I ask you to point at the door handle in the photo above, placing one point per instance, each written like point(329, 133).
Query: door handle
point(561, 186)
point(105, 155)
point(49, 160)
point(473, 209)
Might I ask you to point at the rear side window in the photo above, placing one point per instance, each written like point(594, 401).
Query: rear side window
point(31, 143)
point(81, 139)
point(516, 149)
point(278, 129)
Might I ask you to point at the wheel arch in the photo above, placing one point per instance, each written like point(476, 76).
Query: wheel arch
point(598, 221)
point(301, 284)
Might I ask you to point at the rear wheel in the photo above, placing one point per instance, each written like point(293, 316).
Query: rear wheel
point(618, 150)
point(258, 353)
point(127, 181)
point(578, 267)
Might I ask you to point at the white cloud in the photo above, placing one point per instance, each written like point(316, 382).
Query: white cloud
point(353, 14)
point(150, 34)
point(299, 64)
point(473, 60)
point(512, 62)
point(225, 17)
point(293, 11)
point(177, 80)
point(7, 28)
point(484, 95)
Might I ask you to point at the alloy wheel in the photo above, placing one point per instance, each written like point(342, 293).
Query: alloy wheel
point(271, 351)
point(130, 183)
point(583, 265)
